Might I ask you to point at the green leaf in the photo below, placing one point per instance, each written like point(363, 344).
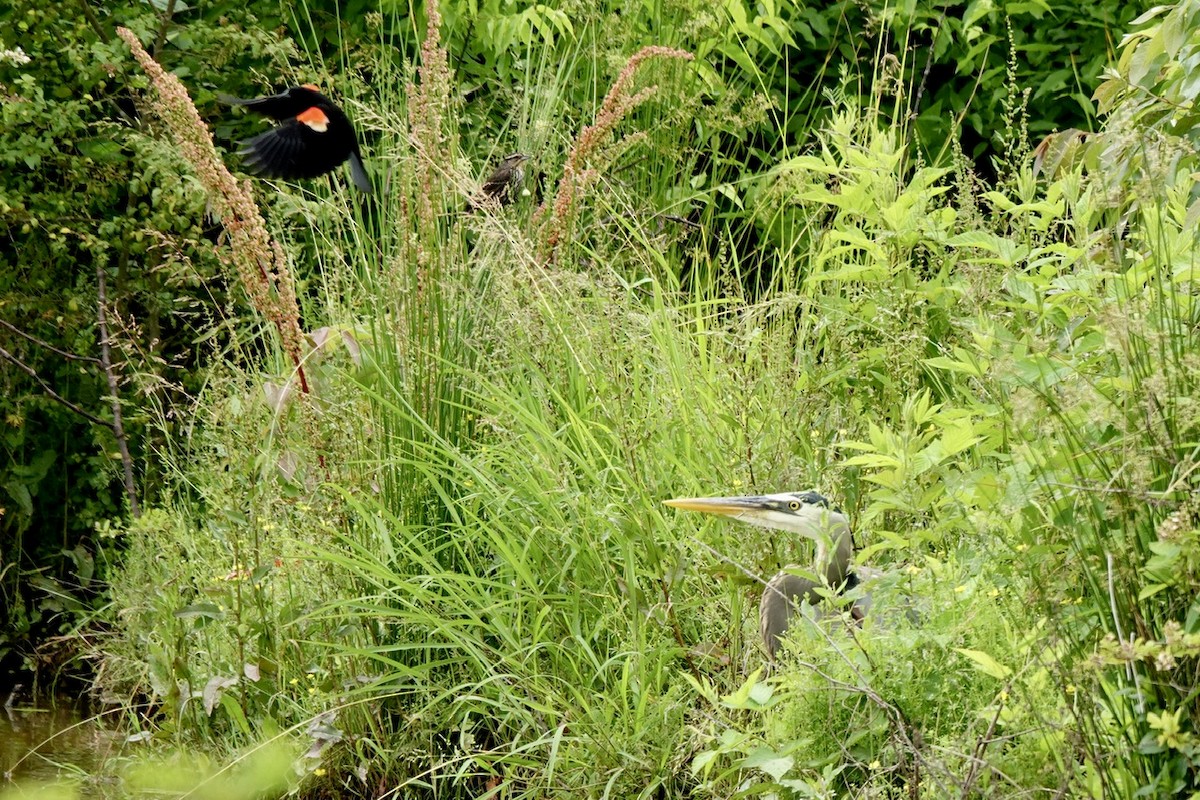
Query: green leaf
point(1034, 8)
point(729, 191)
point(769, 761)
point(103, 150)
point(234, 709)
point(760, 694)
point(1173, 34)
point(985, 663)
point(21, 496)
point(702, 762)
point(969, 367)
point(958, 436)
point(751, 694)
point(1149, 15)
point(161, 6)
point(199, 611)
point(976, 11)
point(1151, 590)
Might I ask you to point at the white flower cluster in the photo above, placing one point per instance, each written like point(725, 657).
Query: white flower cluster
point(16, 57)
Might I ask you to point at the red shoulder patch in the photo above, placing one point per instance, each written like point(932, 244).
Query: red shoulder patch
point(314, 118)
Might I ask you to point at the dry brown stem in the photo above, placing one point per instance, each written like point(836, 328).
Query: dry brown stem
point(582, 170)
point(258, 260)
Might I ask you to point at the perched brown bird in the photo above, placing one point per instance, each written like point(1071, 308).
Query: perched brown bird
point(504, 183)
point(314, 137)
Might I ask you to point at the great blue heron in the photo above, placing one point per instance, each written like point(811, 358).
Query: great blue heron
point(806, 514)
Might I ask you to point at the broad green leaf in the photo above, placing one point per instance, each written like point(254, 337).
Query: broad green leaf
point(234, 709)
point(103, 150)
point(769, 761)
point(703, 761)
point(1151, 590)
point(985, 663)
point(199, 610)
point(751, 694)
point(975, 369)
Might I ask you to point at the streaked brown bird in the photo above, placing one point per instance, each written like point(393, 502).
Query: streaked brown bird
point(806, 514)
point(314, 137)
point(505, 181)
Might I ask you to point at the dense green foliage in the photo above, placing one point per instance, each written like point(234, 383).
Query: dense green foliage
point(447, 569)
point(84, 189)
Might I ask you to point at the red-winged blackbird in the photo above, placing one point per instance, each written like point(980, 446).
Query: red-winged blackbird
point(314, 137)
point(502, 185)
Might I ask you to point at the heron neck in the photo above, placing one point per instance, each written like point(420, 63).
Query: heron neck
point(836, 565)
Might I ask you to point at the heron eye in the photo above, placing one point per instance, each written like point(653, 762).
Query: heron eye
point(794, 505)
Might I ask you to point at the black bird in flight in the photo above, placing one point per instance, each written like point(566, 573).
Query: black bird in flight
point(314, 136)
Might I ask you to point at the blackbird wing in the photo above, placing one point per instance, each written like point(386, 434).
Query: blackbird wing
point(293, 150)
point(500, 185)
point(496, 184)
point(288, 151)
point(277, 106)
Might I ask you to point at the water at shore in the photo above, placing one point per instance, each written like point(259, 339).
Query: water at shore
point(50, 740)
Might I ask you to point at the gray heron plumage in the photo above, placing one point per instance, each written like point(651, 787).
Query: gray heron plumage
point(806, 514)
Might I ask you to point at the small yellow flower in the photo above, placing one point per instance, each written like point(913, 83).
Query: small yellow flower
point(874, 765)
point(1167, 724)
point(960, 589)
point(319, 772)
point(294, 681)
point(1021, 548)
point(1070, 688)
point(312, 690)
point(994, 593)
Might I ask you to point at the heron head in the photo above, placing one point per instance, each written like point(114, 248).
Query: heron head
point(806, 514)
